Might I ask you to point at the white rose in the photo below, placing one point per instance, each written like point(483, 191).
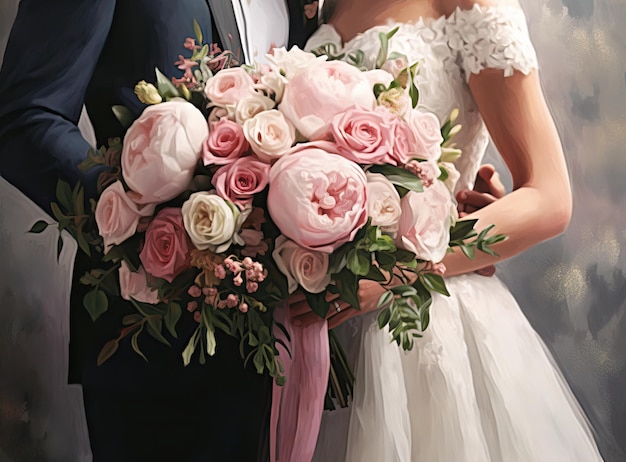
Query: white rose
point(273, 83)
point(306, 267)
point(292, 62)
point(135, 285)
point(250, 106)
point(117, 215)
point(424, 226)
point(161, 151)
point(210, 221)
point(228, 86)
point(383, 203)
point(270, 134)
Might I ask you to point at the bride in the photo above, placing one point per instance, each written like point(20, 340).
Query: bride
point(480, 385)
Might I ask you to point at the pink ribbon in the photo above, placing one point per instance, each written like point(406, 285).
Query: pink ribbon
point(297, 406)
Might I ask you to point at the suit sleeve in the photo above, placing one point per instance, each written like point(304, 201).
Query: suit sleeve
point(50, 58)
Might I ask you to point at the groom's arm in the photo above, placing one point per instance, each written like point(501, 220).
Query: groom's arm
point(50, 58)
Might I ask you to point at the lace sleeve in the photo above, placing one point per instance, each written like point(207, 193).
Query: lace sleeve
point(492, 38)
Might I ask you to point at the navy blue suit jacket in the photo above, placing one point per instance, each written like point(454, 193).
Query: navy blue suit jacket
point(65, 53)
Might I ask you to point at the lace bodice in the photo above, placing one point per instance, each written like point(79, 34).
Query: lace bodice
point(448, 50)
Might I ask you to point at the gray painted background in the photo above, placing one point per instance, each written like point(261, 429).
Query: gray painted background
point(573, 288)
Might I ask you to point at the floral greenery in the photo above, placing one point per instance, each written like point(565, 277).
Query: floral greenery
point(371, 255)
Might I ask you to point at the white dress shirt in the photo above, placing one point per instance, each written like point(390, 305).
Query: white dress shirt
point(261, 23)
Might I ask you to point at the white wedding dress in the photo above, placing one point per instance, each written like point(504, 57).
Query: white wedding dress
point(481, 385)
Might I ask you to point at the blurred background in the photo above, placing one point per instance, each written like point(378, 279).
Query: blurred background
point(572, 288)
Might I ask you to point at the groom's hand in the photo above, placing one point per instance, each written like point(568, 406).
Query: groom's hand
point(488, 188)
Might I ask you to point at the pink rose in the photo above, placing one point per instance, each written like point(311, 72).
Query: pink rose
point(404, 142)
point(306, 267)
point(424, 226)
point(241, 180)
point(166, 249)
point(427, 131)
point(161, 151)
point(364, 136)
point(228, 86)
point(117, 216)
point(224, 144)
point(316, 198)
point(314, 96)
point(135, 285)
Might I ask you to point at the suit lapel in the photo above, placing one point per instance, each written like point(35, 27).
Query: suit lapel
point(226, 24)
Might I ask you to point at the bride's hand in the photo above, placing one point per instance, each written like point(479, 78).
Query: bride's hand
point(488, 188)
point(369, 293)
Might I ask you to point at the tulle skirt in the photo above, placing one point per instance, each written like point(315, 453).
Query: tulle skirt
point(480, 386)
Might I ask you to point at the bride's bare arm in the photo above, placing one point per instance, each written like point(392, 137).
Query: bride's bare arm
point(522, 129)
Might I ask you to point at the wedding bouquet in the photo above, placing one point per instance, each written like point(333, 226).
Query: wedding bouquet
point(238, 186)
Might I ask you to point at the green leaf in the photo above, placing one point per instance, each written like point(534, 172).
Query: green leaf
point(134, 342)
point(435, 282)
point(107, 351)
point(318, 303)
point(359, 262)
point(57, 211)
point(64, 194)
point(165, 86)
point(384, 317)
point(211, 343)
point(123, 115)
point(172, 315)
point(399, 177)
point(82, 242)
point(155, 326)
point(468, 251)
point(258, 361)
point(191, 347)
point(462, 229)
point(96, 303)
point(39, 227)
point(348, 286)
point(383, 51)
point(131, 319)
point(375, 274)
point(197, 31)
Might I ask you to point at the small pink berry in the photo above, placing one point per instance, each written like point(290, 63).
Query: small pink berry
point(197, 316)
point(238, 280)
point(232, 301)
point(243, 307)
point(192, 306)
point(252, 287)
point(194, 291)
point(220, 272)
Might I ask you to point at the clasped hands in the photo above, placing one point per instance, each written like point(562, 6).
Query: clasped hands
point(487, 189)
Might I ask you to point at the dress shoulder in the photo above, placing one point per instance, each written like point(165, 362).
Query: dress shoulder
point(491, 37)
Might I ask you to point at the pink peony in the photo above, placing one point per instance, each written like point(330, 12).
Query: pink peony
point(161, 150)
point(427, 131)
point(224, 144)
point(117, 215)
point(228, 86)
point(424, 226)
point(316, 198)
point(166, 250)
point(314, 96)
point(134, 285)
point(241, 180)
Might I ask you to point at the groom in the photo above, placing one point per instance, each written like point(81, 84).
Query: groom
point(60, 56)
